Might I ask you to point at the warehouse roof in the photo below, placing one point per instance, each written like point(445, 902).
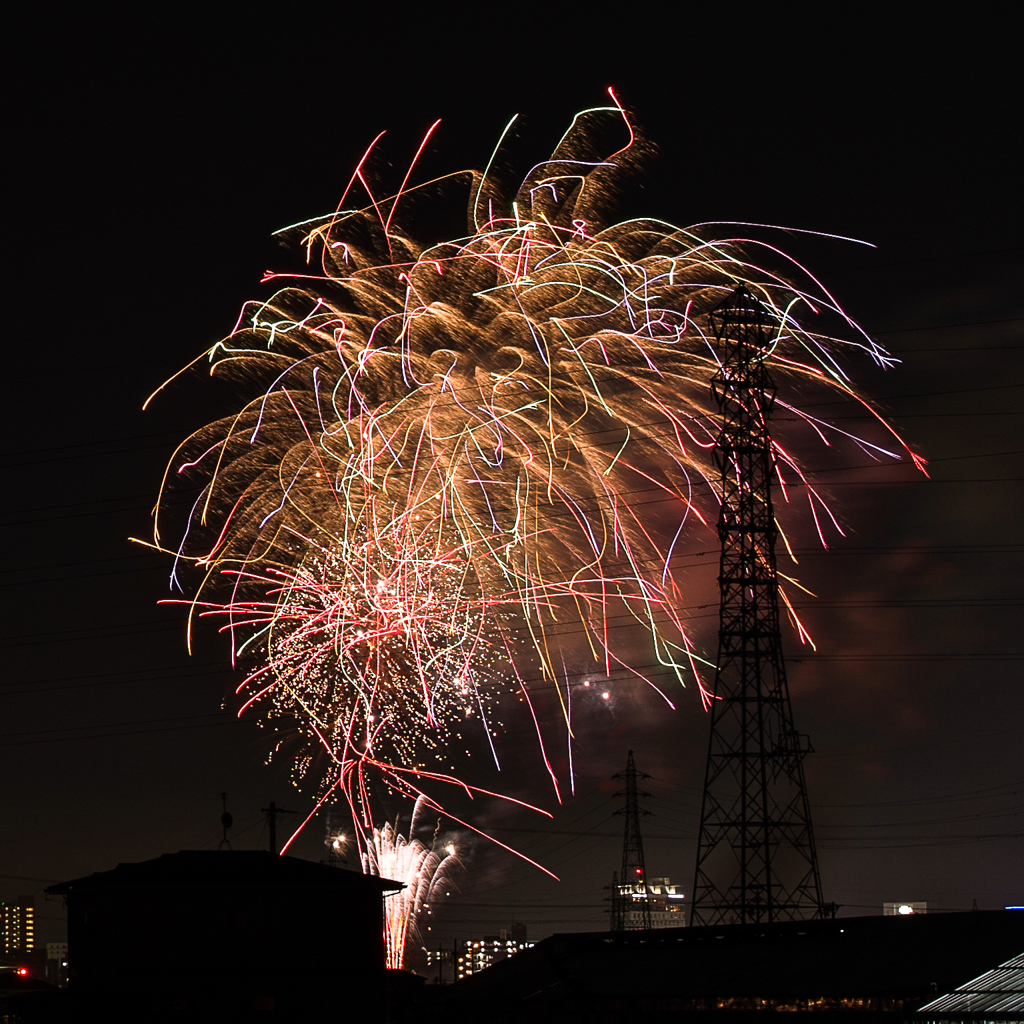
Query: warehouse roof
point(895, 958)
point(999, 991)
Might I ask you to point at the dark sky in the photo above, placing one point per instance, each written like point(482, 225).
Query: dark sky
point(153, 158)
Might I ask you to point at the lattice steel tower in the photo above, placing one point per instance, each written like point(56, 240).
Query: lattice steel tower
point(631, 900)
point(756, 860)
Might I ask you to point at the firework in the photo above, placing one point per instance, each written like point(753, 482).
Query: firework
point(423, 869)
point(337, 831)
point(464, 466)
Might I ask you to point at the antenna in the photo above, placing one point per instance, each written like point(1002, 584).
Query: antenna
point(226, 822)
point(272, 812)
point(756, 860)
point(631, 908)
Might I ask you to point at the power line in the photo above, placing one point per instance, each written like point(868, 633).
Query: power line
point(970, 794)
point(113, 735)
point(808, 473)
point(926, 548)
point(948, 327)
point(694, 485)
point(172, 436)
point(107, 630)
point(111, 725)
point(930, 259)
point(832, 552)
point(966, 348)
point(655, 672)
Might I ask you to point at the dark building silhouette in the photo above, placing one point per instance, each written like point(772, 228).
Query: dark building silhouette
point(848, 969)
point(227, 935)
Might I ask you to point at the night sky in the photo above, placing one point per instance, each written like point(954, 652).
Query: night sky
point(153, 159)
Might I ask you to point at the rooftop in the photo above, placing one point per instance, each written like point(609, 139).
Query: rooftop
point(224, 867)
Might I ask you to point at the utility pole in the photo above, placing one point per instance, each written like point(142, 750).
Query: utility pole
point(629, 891)
point(756, 860)
point(272, 812)
point(226, 821)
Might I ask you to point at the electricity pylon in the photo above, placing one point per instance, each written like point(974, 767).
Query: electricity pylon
point(631, 900)
point(756, 860)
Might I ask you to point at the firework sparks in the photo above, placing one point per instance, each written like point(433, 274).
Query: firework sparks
point(463, 464)
point(423, 869)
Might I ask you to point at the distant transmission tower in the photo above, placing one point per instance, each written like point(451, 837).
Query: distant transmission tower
point(631, 906)
point(756, 861)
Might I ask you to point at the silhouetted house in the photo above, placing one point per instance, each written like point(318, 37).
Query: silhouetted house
point(848, 969)
point(227, 934)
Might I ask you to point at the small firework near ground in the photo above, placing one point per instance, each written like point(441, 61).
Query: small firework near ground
point(425, 870)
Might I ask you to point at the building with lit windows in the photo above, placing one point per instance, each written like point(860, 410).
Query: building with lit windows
point(437, 960)
point(664, 900)
point(17, 925)
point(478, 954)
point(902, 909)
point(56, 964)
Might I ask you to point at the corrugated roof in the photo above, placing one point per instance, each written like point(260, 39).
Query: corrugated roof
point(997, 991)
